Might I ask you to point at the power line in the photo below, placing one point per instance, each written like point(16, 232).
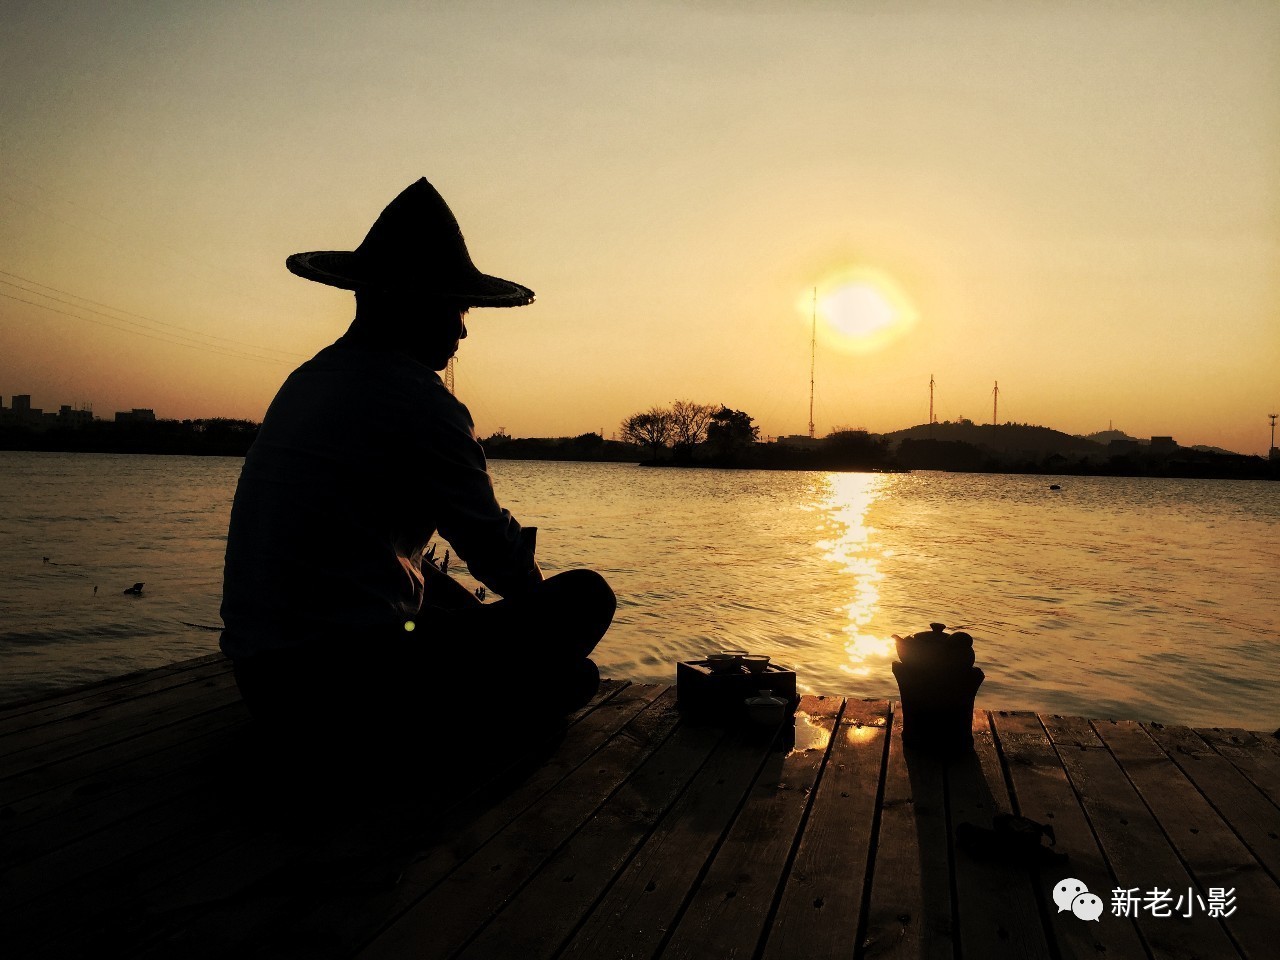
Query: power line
point(139, 242)
point(128, 313)
point(158, 330)
point(207, 348)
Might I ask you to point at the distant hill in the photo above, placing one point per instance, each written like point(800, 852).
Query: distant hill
point(1106, 436)
point(1021, 447)
point(1203, 448)
point(1008, 440)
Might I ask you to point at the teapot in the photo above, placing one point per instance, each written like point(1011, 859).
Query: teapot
point(767, 709)
point(936, 648)
point(938, 684)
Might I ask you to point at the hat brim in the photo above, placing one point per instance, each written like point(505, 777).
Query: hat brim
point(347, 270)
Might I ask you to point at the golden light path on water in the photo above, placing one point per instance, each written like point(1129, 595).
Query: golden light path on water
point(855, 551)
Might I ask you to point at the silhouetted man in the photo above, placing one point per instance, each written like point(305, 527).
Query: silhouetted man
point(333, 618)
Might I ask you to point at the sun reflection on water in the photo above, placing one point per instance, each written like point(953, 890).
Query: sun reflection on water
point(857, 552)
point(810, 734)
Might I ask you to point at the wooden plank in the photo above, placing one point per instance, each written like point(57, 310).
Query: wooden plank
point(120, 837)
point(538, 921)
point(39, 824)
point(443, 920)
point(640, 907)
point(102, 692)
point(76, 866)
point(728, 911)
point(1253, 817)
point(1269, 741)
point(1212, 852)
point(84, 774)
point(137, 900)
point(1135, 846)
point(910, 914)
point(997, 911)
point(454, 842)
point(1042, 791)
point(209, 898)
point(115, 723)
point(821, 905)
point(1251, 754)
point(168, 821)
point(254, 895)
point(99, 875)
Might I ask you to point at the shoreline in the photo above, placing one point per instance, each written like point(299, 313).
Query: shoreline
point(1237, 467)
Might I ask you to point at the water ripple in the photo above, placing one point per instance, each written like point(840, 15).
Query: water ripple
point(1115, 597)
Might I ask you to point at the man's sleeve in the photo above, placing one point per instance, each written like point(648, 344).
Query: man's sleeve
point(497, 551)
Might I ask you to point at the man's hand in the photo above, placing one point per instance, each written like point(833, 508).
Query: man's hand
point(441, 591)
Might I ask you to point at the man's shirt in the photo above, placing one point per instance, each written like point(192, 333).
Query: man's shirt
point(362, 457)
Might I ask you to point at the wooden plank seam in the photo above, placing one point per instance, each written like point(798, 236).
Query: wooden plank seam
point(1129, 769)
point(107, 685)
point(638, 851)
point(790, 860)
point(864, 908)
point(568, 839)
point(705, 869)
point(657, 717)
point(1038, 878)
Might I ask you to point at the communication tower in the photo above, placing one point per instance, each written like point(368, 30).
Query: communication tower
point(813, 352)
point(1273, 430)
point(932, 418)
point(995, 403)
point(448, 374)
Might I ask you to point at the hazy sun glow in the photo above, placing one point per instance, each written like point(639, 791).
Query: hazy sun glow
point(860, 309)
point(857, 310)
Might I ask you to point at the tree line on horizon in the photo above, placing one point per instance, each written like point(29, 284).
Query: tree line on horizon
point(688, 433)
point(686, 425)
point(714, 435)
point(208, 436)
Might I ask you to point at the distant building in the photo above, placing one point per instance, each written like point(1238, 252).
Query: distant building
point(136, 415)
point(1121, 446)
point(24, 415)
point(68, 417)
point(23, 411)
point(1163, 445)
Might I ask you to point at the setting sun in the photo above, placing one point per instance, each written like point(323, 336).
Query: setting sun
point(857, 310)
point(861, 309)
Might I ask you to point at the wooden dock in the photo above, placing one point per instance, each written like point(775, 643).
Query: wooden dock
point(128, 827)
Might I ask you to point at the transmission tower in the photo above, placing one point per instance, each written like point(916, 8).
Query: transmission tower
point(932, 419)
point(995, 403)
point(813, 350)
point(1273, 428)
point(448, 375)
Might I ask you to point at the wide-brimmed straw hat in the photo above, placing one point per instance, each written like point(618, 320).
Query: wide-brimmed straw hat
point(415, 244)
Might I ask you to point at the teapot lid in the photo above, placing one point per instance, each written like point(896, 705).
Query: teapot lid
point(766, 696)
point(936, 631)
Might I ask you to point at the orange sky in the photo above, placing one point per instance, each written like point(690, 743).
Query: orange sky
point(1083, 204)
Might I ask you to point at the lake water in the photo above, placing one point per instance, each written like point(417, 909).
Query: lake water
point(1112, 597)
